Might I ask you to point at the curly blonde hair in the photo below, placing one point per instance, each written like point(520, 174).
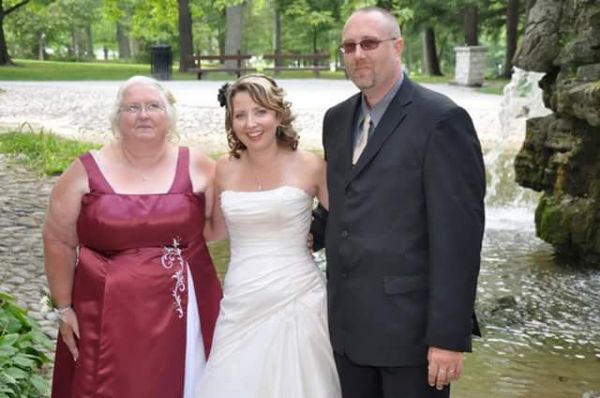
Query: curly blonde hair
point(264, 91)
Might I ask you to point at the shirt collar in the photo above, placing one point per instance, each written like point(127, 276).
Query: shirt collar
point(378, 110)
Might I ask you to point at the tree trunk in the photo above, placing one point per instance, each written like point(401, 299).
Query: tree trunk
point(4, 57)
point(186, 50)
point(315, 45)
point(78, 43)
point(277, 35)
point(233, 32)
point(72, 49)
point(431, 63)
point(221, 32)
point(89, 41)
point(470, 14)
point(512, 23)
point(41, 46)
point(123, 41)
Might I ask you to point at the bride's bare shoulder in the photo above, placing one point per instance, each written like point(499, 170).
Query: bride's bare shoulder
point(310, 160)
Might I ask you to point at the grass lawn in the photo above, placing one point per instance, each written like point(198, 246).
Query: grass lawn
point(68, 71)
point(51, 70)
point(42, 152)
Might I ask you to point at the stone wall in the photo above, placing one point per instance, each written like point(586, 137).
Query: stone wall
point(561, 153)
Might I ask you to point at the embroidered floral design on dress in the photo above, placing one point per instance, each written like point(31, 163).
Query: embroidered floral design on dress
point(172, 258)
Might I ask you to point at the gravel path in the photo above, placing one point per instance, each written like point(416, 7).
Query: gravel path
point(22, 206)
point(80, 109)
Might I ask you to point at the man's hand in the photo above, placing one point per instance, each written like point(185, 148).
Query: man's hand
point(444, 367)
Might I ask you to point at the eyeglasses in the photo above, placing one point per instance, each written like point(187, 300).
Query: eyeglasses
point(365, 44)
point(150, 107)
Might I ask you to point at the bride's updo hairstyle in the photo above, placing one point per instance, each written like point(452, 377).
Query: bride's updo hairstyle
point(265, 92)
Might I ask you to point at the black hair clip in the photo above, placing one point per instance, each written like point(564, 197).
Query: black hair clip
point(222, 95)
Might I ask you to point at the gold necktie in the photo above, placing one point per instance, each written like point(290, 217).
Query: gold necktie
point(363, 136)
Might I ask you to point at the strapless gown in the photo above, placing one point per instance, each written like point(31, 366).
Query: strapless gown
point(271, 338)
point(145, 292)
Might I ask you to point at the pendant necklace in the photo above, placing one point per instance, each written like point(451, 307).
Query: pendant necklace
point(145, 178)
point(256, 179)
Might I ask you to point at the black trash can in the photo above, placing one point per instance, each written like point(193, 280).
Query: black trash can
point(161, 61)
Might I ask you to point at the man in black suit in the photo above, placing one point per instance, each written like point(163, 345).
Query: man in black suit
point(403, 238)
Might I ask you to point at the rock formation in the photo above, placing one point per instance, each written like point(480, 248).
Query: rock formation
point(561, 153)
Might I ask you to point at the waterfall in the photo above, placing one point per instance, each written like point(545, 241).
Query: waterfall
point(522, 100)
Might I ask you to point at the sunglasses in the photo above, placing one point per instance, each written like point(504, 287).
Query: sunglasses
point(365, 44)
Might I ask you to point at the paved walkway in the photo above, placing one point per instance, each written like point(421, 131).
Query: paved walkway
point(80, 110)
point(22, 206)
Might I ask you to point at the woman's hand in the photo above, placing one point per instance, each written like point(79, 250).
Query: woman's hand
point(69, 330)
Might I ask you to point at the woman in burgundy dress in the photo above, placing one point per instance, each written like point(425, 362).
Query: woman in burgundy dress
point(126, 259)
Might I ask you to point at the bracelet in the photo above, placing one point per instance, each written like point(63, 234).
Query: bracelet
point(61, 313)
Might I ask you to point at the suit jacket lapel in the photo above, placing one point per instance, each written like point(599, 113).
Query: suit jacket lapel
point(392, 118)
point(346, 127)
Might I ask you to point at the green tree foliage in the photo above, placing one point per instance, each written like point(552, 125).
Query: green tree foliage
point(304, 26)
point(65, 25)
point(150, 21)
point(7, 7)
point(31, 27)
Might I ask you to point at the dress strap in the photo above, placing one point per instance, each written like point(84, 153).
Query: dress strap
point(96, 179)
point(182, 182)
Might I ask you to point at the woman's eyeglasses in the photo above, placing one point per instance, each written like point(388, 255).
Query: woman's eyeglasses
point(365, 44)
point(134, 109)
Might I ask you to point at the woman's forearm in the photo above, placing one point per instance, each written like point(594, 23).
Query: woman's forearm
point(59, 262)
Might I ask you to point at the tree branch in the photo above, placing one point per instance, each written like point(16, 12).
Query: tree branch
point(16, 6)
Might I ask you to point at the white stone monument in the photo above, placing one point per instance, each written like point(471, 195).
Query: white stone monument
point(470, 65)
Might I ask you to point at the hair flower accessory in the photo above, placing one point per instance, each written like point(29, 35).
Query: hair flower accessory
point(222, 95)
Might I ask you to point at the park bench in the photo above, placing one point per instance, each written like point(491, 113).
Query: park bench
point(314, 62)
point(238, 70)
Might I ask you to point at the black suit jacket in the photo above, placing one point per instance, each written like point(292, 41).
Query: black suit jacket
point(404, 231)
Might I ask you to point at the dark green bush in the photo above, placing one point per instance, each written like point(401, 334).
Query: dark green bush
point(22, 353)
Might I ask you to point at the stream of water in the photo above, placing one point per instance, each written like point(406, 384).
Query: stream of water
point(540, 319)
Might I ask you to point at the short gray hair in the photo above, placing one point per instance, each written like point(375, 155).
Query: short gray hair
point(389, 17)
point(165, 95)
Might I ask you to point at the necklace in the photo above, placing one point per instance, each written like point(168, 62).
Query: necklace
point(256, 179)
point(255, 175)
point(144, 174)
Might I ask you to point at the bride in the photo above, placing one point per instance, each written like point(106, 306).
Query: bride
point(271, 338)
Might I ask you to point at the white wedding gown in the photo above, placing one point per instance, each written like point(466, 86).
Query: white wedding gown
point(271, 338)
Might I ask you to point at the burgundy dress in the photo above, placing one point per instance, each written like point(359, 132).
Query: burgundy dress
point(131, 290)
